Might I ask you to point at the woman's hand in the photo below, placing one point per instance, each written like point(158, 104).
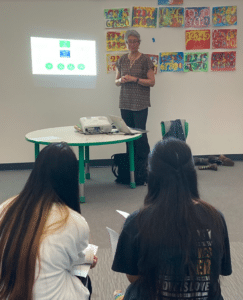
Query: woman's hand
point(95, 260)
point(128, 78)
point(123, 79)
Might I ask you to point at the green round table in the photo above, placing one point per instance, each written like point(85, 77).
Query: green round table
point(72, 137)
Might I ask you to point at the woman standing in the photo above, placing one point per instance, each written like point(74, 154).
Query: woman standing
point(177, 245)
point(43, 235)
point(135, 75)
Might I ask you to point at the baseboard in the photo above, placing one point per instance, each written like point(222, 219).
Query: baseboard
point(97, 163)
point(101, 162)
point(234, 157)
point(16, 166)
point(29, 166)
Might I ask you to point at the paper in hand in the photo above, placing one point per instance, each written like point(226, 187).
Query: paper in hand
point(114, 236)
point(123, 213)
point(83, 270)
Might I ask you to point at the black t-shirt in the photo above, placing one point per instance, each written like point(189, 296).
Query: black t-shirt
point(210, 261)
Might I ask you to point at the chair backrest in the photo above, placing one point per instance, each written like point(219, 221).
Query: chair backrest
point(165, 126)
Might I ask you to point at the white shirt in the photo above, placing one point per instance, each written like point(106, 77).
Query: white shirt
point(59, 251)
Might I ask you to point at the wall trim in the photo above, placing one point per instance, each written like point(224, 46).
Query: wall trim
point(234, 157)
point(29, 166)
point(96, 163)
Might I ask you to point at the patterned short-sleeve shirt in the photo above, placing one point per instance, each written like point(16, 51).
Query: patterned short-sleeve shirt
point(134, 96)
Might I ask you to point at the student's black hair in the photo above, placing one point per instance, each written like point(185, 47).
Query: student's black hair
point(56, 169)
point(168, 222)
point(54, 179)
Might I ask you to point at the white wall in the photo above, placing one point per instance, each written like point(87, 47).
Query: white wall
point(210, 102)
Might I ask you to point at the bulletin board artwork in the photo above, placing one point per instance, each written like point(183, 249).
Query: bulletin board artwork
point(171, 17)
point(111, 60)
point(224, 38)
point(155, 60)
point(171, 61)
point(225, 15)
point(115, 41)
point(196, 62)
point(117, 18)
point(144, 17)
point(223, 61)
point(197, 39)
point(197, 17)
point(170, 2)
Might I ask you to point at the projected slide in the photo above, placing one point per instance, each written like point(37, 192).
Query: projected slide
point(51, 56)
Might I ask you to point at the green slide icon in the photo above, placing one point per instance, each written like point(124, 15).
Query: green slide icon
point(49, 66)
point(65, 44)
point(60, 66)
point(81, 66)
point(71, 67)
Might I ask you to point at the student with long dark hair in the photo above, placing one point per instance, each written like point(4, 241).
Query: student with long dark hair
point(42, 232)
point(176, 246)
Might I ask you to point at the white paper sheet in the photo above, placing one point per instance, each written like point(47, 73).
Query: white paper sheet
point(123, 213)
point(113, 235)
point(113, 239)
point(83, 270)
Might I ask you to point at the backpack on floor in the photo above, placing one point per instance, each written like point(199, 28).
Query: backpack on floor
point(120, 169)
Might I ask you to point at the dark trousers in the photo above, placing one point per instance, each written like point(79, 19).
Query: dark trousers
point(138, 119)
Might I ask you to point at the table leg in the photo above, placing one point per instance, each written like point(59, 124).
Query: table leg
point(132, 165)
point(81, 173)
point(37, 150)
point(87, 174)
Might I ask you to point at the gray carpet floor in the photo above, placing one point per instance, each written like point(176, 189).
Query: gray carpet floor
point(223, 189)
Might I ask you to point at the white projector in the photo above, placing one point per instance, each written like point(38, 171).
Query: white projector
point(95, 125)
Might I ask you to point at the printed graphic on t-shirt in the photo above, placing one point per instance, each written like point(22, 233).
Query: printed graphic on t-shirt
point(198, 289)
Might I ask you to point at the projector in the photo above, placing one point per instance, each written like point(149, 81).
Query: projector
point(95, 125)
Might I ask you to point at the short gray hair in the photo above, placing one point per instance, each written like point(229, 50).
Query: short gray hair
point(133, 33)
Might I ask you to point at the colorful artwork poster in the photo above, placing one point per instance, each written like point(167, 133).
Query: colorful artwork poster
point(223, 61)
point(144, 17)
point(197, 17)
point(170, 2)
point(117, 18)
point(171, 17)
point(196, 62)
point(111, 60)
point(225, 15)
point(155, 60)
point(224, 38)
point(115, 41)
point(197, 39)
point(171, 61)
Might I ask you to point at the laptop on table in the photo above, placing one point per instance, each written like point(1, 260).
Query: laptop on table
point(122, 126)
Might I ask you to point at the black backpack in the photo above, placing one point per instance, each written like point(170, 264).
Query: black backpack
point(120, 169)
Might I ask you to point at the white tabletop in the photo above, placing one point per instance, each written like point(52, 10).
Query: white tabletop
point(71, 136)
